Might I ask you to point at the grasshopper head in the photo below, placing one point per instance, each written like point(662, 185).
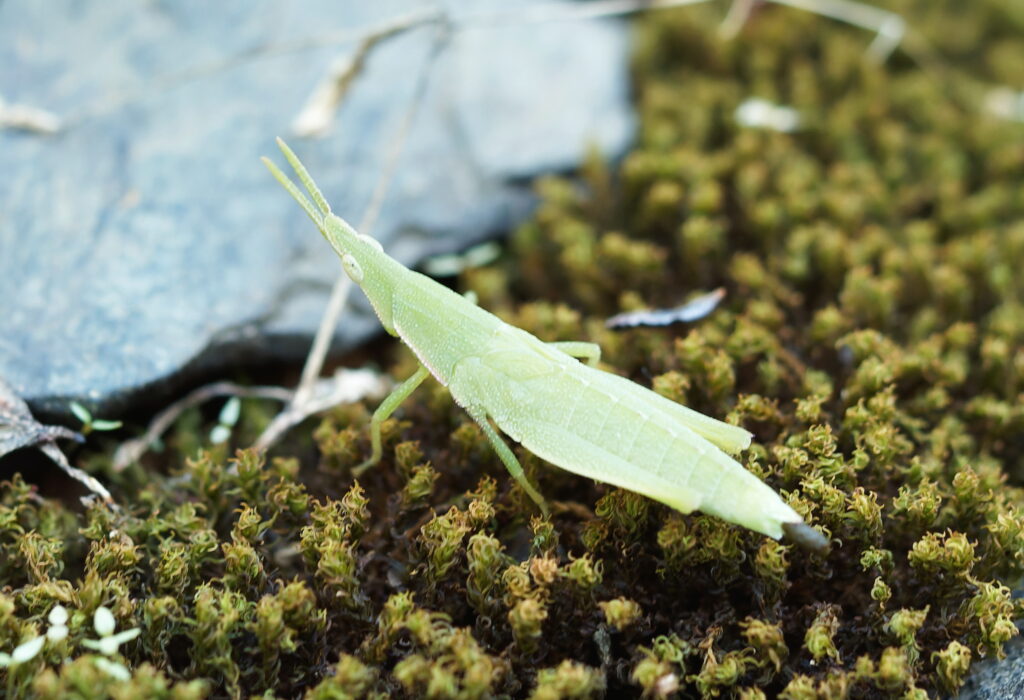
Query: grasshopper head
point(345, 240)
point(349, 244)
point(361, 256)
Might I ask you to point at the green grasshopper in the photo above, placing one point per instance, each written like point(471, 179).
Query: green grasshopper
point(592, 423)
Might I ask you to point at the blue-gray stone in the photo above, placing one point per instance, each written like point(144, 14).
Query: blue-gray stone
point(145, 241)
point(997, 679)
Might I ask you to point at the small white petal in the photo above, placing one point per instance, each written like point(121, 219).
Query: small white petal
point(27, 651)
point(80, 411)
point(219, 434)
point(126, 636)
point(112, 668)
point(5, 659)
point(108, 646)
point(230, 412)
point(58, 616)
point(56, 633)
point(103, 621)
point(755, 112)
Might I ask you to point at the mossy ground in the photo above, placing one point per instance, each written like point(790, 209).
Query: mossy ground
point(871, 339)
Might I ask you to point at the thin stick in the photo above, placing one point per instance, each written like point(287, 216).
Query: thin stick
point(739, 13)
point(369, 220)
point(563, 12)
point(89, 481)
point(302, 405)
point(889, 27)
point(130, 451)
point(325, 332)
point(346, 386)
point(162, 83)
point(316, 115)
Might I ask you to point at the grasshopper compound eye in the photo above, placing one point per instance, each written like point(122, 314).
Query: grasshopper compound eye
point(352, 268)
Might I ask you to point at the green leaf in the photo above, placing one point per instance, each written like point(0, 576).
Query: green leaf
point(230, 412)
point(81, 412)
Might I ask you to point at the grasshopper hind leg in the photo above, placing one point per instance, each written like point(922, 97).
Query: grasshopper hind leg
point(508, 458)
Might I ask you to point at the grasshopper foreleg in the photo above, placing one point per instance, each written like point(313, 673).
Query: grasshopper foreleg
point(591, 352)
point(384, 411)
point(509, 459)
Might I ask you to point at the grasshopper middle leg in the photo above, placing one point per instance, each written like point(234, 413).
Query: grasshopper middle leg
point(384, 411)
point(508, 458)
point(591, 352)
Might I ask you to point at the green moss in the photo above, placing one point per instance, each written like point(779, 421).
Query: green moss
point(870, 338)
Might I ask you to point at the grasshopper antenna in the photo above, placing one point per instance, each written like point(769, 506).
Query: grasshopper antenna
point(306, 179)
point(294, 191)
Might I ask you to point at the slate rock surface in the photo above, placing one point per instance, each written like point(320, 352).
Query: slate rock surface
point(144, 241)
point(996, 679)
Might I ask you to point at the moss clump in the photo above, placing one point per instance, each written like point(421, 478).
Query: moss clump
point(871, 339)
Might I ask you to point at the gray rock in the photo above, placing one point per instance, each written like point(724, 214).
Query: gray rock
point(144, 241)
point(998, 679)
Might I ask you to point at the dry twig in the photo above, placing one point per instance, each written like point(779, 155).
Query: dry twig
point(345, 386)
point(19, 429)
